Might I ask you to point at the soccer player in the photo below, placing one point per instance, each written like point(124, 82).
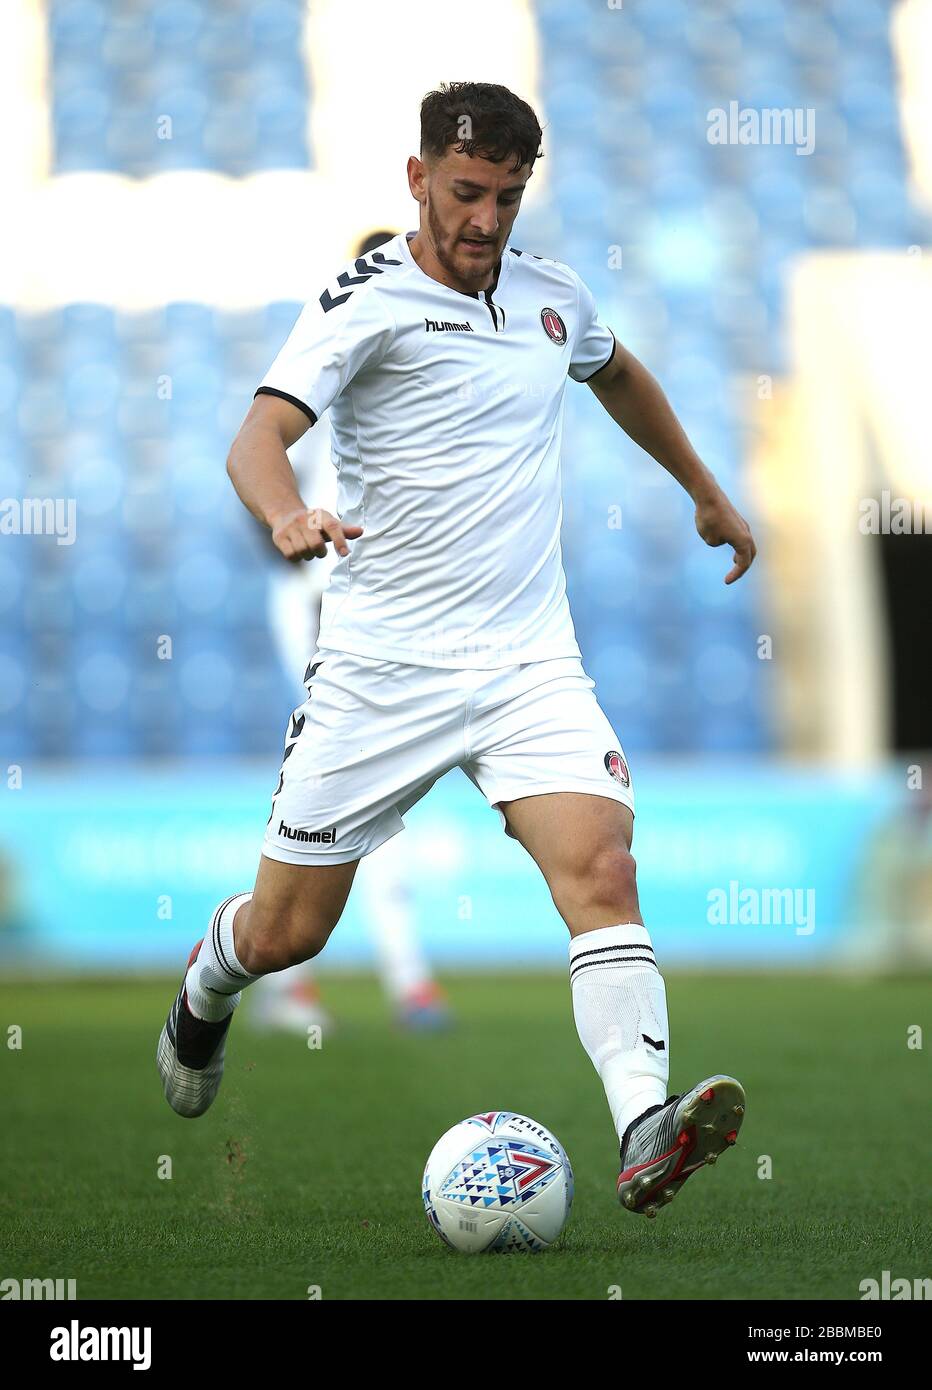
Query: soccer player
point(290, 999)
point(446, 638)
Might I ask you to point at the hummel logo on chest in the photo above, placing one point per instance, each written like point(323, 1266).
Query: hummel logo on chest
point(445, 326)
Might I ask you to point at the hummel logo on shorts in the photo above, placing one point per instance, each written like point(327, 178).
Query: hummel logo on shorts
point(309, 837)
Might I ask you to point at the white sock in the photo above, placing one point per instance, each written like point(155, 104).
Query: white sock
point(216, 978)
point(619, 1002)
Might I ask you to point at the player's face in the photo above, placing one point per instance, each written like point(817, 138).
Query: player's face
point(471, 205)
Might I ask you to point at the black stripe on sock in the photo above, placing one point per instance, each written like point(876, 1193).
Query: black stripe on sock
point(216, 917)
point(234, 974)
point(621, 960)
point(601, 950)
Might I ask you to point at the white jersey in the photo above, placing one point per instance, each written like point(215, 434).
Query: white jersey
point(446, 413)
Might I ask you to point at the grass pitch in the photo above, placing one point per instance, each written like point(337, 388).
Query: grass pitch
point(306, 1172)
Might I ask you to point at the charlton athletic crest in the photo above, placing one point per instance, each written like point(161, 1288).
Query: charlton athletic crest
point(554, 326)
point(616, 767)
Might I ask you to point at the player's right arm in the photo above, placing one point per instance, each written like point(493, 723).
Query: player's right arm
point(334, 339)
point(265, 482)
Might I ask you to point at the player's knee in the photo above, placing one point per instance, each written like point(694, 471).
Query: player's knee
point(276, 940)
point(616, 874)
point(609, 880)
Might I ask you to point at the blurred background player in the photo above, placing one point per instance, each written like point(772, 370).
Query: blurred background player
point(290, 999)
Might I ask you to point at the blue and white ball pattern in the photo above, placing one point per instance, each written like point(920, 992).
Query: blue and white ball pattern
point(498, 1182)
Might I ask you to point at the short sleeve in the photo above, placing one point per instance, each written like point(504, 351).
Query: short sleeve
point(333, 340)
point(594, 342)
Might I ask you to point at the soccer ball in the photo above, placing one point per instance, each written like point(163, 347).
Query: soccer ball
point(498, 1181)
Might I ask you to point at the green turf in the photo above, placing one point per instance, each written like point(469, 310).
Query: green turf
point(307, 1170)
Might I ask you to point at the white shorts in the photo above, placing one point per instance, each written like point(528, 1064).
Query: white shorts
point(373, 736)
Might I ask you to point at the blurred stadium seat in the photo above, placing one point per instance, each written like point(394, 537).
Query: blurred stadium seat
point(230, 74)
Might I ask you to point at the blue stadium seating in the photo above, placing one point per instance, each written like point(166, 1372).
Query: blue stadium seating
point(229, 76)
point(132, 413)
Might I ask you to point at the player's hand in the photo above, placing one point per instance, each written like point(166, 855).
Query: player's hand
point(718, 523)
point(303, 535)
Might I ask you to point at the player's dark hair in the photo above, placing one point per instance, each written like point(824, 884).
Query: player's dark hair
point(480, 118)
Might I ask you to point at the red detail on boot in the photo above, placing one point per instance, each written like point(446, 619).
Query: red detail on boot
point(685, 1142)
point(708, 1095)
point(731, 1137)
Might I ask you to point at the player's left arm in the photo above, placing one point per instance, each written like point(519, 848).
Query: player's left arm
point(636, 402)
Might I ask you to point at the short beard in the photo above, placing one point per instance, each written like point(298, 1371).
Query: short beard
point(435, 230)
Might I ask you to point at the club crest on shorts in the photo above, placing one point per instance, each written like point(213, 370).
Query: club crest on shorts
point(616, 767)
point(554, 326)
